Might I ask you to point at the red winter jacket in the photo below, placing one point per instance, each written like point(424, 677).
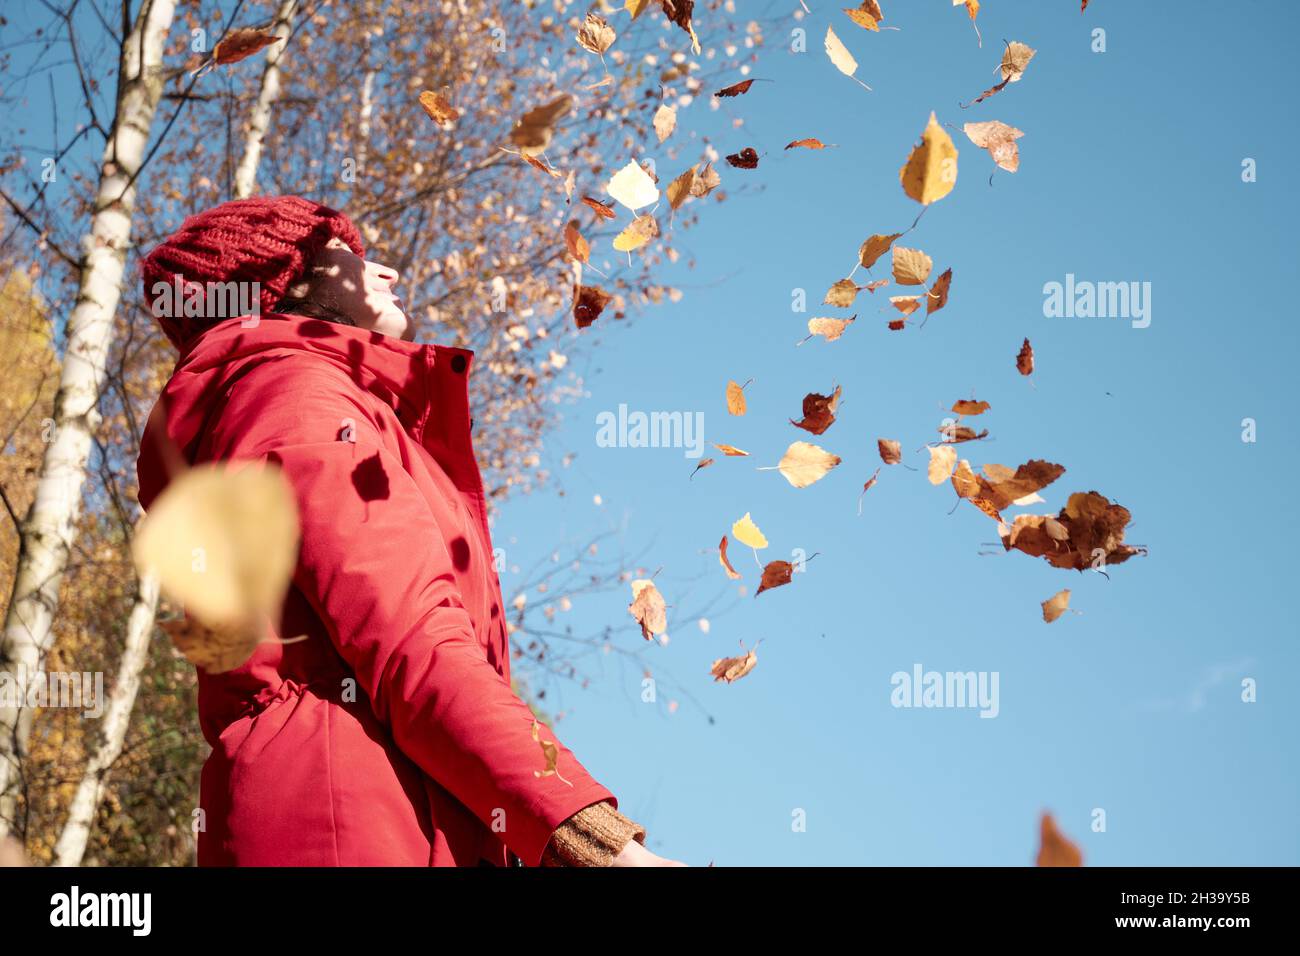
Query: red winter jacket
point(390, 736)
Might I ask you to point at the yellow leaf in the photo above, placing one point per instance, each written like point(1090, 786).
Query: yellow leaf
point(636, 235)
point(875, 247)
point(911, 266)
point(747, 533)
point(931, 171)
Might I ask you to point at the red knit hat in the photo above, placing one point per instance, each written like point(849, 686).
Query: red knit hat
point(270, 240)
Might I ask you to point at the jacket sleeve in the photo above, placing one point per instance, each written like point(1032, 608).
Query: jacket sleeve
point(375, 566)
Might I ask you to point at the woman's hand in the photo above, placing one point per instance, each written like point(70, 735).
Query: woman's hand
point(635, 854)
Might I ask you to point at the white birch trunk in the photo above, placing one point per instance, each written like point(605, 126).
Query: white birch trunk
point(46, 536)
point(260, 119)
point(116, 718)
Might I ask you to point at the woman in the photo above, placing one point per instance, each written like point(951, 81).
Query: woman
point(390, 736)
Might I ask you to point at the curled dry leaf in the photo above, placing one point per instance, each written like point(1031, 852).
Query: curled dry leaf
point(736, 89)
point(1088, 532)
point(242, 43)
point(216, 649)
point(725, 561)
point(632, 187)
point(874, 247)
point(955, 434)
point(891, 452)
point(735, 398)
point(745, 159)
point(999, 139)
point(875, 284)
point(1025, 359)
point(867, 486)
point(867, 15)
point(680, 12)
point(907, 304)
point(640, 231)
point(930, 172)
point(438, 107)
point(703, 464)
point(1054, 848)
point(732, 669)
point(550, 754)
point(595, 35)
point(1014, 60)
point(775, 574)
point(938, 295)
point(911, 266)
point(532, 134)
point(731, 451)
point(810, 143)
point(842, 294)
point(829, 329)
point(970, 407)
point(818, 411)
point(665, 121)
point(588, 302)
point(804, 463)
point(1056, 605)
point(648, 608)
point(942, 460)
point(747, 533)
point(576, 246)
point(602, 210)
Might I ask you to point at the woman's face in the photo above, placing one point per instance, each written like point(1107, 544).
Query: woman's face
point(360, 289)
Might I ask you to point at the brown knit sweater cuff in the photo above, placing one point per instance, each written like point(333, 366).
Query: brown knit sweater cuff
point(591, 837)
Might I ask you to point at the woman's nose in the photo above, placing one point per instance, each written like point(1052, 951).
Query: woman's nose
point(385, 273)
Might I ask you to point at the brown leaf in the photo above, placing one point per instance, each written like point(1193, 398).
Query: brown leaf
point(726, 563)
point(970, 407)
point(735, 398)
point(842, 294)
point(648, 608)
point(595, 35)
point(999, 139)
point(1054, 849)
point(874, 247)
point(938, 296)
point(438, 107)
point(736, 88)
point(589, 302)
point(810, 143)
point(732, 669)
point(242, 43)
point(911, 266)
point(576, 246)
point(731, 451)
point(818, 411)
point(1025, 359)
point(532, 134)
point(891, 452)
point(705, 181)
point(601, 209)
point(1088, 532)
point(1056, 605)
point(775, 574)
point(829, 329)
point(745, 159)
point(680, 12)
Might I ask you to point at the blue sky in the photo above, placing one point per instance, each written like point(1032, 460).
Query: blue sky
point(1130, 171)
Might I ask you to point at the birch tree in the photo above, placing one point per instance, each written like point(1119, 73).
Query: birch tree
point(268, 92)
point(46, 536)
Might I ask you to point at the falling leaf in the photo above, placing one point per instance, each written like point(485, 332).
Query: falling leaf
point(438, 108)
point(705, 181)
point(868, 16)
point(999, 139)
point(830, 329)
point(735, 398)
point(589, 301)
point(1088, 532)
point(1054, 849)
point(1014, 60)
point(532, 134)
point(244, 522)
point(216, 649)
point(736, 89)
point(747, 533)
point(867, 485)
point(745, 159)
point(1025, 359)
point(955, 434)
point(875, 247)
point(911, 266)
point(938, 295)
point(907, 304)
point(241, 43)
point(1056, 605)
point(679, 12)
point(876, 284)
point(703, 464)
point(804, 463)
point(595, 35)
point(648, 608)
point(775, 574)
point(726, 563)
point(539, 165)
point(891, 452)
point(841, 57)
point(731, 451)
point(970, 407)
point(842, 294)
point(819, 411)
point(942, 460)
point(550, 753)
point(999, 487)
point(810, 143)
point(574, 244)
point(601, 209)
point(635, 7)
point(665, 121)
point(931, 170)
point(632, 187)
point(732, 669)
point(641, 230)
point(680, 189)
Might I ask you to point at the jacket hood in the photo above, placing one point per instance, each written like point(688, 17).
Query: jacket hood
point(408, 376)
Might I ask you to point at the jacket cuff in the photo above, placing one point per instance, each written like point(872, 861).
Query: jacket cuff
point(592, 837)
